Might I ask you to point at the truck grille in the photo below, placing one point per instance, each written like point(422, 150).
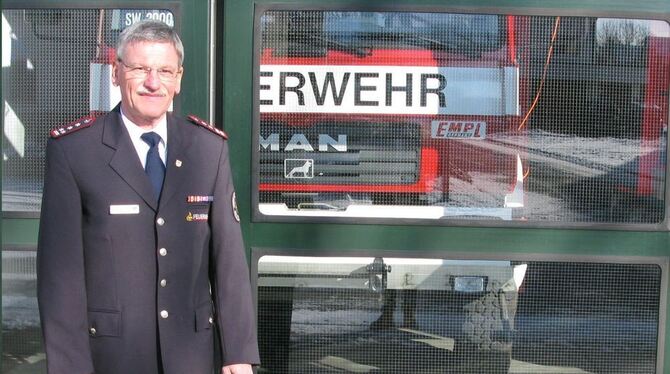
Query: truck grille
point(376, 154)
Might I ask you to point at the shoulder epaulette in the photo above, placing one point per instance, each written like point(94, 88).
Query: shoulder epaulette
point(72, 127)
point(202, 123)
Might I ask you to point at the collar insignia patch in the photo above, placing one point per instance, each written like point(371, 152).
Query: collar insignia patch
point(202, 123)
point(72, 127)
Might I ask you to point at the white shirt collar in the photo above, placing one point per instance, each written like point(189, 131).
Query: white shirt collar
point(141, 147)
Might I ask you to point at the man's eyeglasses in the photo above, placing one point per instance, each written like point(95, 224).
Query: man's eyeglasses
point(141, 72)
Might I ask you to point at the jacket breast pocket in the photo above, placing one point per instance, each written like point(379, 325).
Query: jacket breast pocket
point(104, 323)
point(204, 317)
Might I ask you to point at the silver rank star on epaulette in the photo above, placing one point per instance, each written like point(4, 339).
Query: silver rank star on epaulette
point(72, 127)
point(206, 125)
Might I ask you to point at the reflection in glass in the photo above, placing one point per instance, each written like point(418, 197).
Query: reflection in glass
point(465, 116)
point(412, 315)
point(56, 66)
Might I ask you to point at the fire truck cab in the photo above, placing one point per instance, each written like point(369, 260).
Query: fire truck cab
point(394, 113)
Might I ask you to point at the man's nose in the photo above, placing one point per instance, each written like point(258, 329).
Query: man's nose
point(152, 80)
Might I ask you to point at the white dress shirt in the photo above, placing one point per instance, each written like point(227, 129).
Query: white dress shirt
point(141, 146)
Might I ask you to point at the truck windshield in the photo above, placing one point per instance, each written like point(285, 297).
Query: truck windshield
point(354, 31)
point(436, 30)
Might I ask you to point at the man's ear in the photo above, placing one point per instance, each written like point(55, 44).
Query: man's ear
point(115, 73)
point(177, 88)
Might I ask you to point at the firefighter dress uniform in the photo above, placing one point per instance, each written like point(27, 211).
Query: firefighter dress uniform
point(128, 284)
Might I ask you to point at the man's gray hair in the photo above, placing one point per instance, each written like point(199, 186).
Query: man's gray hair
point(149, 31)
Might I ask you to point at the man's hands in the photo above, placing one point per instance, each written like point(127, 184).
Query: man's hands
point(237, 369)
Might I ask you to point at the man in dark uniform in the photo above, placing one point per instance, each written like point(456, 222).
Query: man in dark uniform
point(141, 264)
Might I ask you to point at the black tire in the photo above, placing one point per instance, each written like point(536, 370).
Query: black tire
point(485, 342)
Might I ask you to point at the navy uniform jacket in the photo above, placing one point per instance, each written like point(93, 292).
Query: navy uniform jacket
point(122, 277)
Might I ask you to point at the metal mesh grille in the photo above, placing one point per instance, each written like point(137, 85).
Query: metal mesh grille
point(516, 118)
point(450, 316)
point(21, 337)
point(47, 61)
point(44, 85)
point(49, 57)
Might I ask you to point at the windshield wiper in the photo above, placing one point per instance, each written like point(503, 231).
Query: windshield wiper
point(463, 46)
point(359, 51)
point(415, 39)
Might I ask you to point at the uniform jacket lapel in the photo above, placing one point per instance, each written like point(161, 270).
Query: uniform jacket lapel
point(177, 158)
point(125, 161)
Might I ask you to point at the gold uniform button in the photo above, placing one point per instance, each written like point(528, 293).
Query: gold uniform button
point(92, 331)
point(164, 314)
point(163, 282)
point(160, 221)
point(162, 252)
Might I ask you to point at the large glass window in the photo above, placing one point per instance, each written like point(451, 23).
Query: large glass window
point(56, 68)
point(461, 316)
point(461, 116)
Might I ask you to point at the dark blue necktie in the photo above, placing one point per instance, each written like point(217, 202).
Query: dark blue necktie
point(154, 167)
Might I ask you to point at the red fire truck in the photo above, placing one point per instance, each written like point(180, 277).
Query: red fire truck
point(396, 113)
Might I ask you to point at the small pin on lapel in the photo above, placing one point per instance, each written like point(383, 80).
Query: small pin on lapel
point(178, 163)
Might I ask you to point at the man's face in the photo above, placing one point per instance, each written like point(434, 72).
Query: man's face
point(149, 77)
